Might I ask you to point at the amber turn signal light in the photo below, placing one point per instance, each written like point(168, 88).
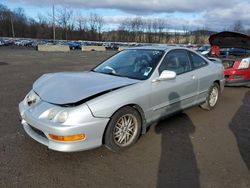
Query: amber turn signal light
point(68, 138)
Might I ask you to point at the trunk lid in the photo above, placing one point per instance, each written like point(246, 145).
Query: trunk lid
point(230, 40)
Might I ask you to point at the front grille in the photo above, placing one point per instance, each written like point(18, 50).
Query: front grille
point(37, 131)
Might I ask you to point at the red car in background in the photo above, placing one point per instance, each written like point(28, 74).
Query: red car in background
point(235, 56)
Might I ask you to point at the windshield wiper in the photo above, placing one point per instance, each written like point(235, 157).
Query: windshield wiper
point(114, 74)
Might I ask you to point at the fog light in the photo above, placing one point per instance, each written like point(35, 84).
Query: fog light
point(68, 138)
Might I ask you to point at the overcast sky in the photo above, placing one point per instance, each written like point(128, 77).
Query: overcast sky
point(212, 14)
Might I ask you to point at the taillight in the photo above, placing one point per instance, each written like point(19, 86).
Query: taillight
point(244, 64)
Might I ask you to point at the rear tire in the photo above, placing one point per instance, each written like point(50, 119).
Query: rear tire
point(123, 129)
point(212, 98)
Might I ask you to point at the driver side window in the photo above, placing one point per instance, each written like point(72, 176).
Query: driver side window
point(177, 61)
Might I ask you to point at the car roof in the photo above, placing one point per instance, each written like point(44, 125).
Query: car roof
point(157, 47)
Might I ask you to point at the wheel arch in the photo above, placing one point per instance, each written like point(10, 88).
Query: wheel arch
point(141, 113)
point(219, 84)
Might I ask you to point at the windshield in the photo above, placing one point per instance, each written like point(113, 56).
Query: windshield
point(136, 64)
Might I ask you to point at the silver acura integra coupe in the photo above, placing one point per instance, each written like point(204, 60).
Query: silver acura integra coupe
point(114, 103)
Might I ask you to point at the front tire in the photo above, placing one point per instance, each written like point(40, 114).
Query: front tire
point(212, 98)
point(123, 129)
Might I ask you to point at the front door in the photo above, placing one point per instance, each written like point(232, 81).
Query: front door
point(173, 95)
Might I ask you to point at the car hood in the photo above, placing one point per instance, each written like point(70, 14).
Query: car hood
point(69, 88)
point(230, 40)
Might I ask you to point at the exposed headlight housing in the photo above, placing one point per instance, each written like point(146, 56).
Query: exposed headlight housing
point(31, 98)
point(244, 64)
point(62, 116)
point(57, 115)
point(52, 114)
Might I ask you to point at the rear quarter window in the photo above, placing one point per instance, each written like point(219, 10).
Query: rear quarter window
point(197, 60)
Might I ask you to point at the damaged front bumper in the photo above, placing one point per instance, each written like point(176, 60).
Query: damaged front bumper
point(80, 121)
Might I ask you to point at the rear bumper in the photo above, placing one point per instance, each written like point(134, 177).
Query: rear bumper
point(237, 82)
point(237, 77)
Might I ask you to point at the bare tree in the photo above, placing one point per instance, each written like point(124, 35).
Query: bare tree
point(149, 30)
point(12, 24)
point(237, 26)
point(54, 23)
point(196, 37)
point(137, 24)
point(18, 22)
point(199, 36)
point(81, 21)
point(186, 34)
point(155, 29)
point(65, 19)
point(92, 21)
point(143, 30)
point(123, 30)
point(177, 37)
point(96, 24)
point(100, 23)
point(72, 27)
point(161, 26)
point(51, 20)
point(5, 21)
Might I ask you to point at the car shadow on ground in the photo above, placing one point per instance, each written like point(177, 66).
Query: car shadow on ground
point(240, 126)
point(178, 166)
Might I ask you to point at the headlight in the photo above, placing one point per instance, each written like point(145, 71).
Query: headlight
point(244, 64)
point(31, 98)
point(52, 114)
point(58, 116)
point(62, 117)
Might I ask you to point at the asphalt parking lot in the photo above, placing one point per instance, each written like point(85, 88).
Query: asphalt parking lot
point(193, 149)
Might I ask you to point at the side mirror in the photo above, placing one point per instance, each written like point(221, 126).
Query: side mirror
point(166, 75)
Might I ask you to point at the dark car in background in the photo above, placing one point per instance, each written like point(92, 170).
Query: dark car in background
point(237, 52)
point(1, 43)
point(74, 45)
point(204, 50)
point(235, 56)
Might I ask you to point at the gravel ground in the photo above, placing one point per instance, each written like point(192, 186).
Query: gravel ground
point(193, 149)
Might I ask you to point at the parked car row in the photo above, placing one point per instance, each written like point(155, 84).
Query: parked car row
point(74, 45)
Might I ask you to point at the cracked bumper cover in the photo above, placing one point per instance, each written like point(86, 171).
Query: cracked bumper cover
point(80, 121)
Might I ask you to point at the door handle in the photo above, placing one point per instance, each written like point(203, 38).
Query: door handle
point(193, 77)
